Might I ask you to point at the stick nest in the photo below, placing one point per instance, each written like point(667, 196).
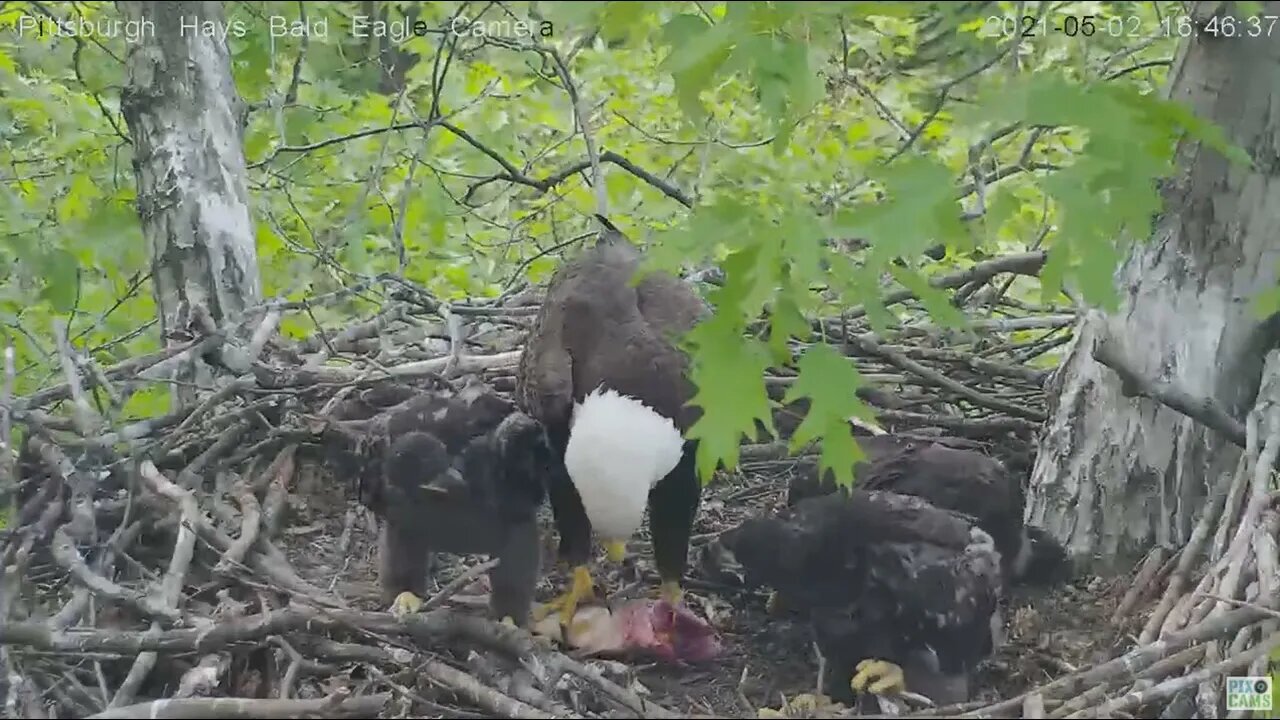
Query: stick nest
point(153, 566)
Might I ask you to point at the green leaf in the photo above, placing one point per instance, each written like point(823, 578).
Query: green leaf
point(61, 277)
point(728, 371)
point(1267, 302)
point(296, 327)
point(1054, 270)
point(78, 202)
point(786, 321)
point(829, 381)
point(148, 402)
point(621, 20)
point(921, 210)
point(698, 50)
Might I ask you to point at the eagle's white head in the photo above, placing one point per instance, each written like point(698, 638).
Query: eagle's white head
point(618, 449)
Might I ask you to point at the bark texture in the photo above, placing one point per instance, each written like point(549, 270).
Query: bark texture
point(1114, 473)
point(184, 116)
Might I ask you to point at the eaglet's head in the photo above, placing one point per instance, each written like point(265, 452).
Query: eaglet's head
point(419, 469)
point(618, 449)
point(762, 550)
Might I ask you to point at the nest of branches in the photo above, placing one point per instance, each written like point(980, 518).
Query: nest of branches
point(144, 573)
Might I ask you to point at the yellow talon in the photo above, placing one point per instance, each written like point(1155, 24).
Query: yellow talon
point(879, 677)
point(406, 603)
point(567, 603)
point(508, 620)
point(616, 550)
point(804, 705)
point(671, 592)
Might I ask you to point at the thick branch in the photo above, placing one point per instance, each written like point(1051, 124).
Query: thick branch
point(250, 708)
point(866, 344)
point(1203, 410)
point(1028, 263)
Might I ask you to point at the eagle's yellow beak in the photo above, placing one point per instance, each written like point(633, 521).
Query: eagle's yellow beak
point(615, 549)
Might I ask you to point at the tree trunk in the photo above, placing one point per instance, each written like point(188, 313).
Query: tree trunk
point(184, 115)
point(1115, 474)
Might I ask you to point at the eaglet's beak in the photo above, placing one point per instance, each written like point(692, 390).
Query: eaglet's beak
point(615, 549)
point(446, 483)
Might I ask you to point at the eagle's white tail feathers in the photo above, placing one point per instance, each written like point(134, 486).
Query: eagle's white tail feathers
point(618, 449)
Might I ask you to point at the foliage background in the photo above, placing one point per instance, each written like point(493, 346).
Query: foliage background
point(813, 151)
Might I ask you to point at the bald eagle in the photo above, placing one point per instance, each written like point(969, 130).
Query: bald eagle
point(955, 478)
point(456, 472)
point(602, 371)
point(900, 594)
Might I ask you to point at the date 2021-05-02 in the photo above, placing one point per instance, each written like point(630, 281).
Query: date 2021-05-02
point(1029, 26)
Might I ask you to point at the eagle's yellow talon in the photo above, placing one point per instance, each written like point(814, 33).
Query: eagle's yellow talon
point(567, 604)
point(804, 705)
point(508, 621)
point(671, 592)
point(406, 603)
point(879, 677)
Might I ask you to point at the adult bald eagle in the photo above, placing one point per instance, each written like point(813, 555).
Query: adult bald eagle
point(900, 594)
point(456, 472)
point(955, 477)
point(603, 372)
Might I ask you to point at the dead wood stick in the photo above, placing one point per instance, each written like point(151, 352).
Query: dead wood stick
point(264, 480)
point(516, 684)
point(866, 344)
point(249, 708)
point(948, 711)
point(69, 558)
point(204, 677)
point(481, 695)
point(1149, 570)
point(275, 379)
point(1241, 544)
point(1201, 409)
point(278, 489)
point(1190, 552)
point(976, 427)
point(1171, 687)
point(1244, 603)
point(1175, 663)
point(1133, 661)
point(170, 592)
point(265, 331)
point(189, 477)
point(207, 405)
point(120, 541)
point(250, 522)
point(426, 628)
point(83, 524)
point(82, 413)
point(433, 627)
point(265, 559)
point(457, 584)
point(434, 708)
point(1267, 556)
point(298, 664)
point(1234, 504)
point(986, 368)
point(1028, 263)
point(130, 367)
